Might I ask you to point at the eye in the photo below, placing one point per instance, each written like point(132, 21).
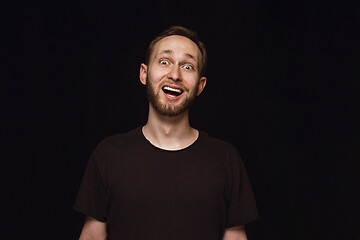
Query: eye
point(164, 62)
point(188, 67)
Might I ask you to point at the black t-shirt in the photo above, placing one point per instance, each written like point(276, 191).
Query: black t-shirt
point(144, 192)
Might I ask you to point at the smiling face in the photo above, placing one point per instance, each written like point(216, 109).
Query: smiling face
point(172, 75)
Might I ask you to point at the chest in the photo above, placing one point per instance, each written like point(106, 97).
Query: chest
point(190, 181)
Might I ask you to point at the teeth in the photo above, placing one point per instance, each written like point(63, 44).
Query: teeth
point(172, 89)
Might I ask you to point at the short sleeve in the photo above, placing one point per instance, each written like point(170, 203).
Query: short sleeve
point(92, 196)
point(241, 205)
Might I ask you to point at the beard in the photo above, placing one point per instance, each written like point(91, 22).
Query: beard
point(167, 109)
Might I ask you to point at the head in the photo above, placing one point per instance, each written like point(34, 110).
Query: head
point(173, 70)
point(185, 32)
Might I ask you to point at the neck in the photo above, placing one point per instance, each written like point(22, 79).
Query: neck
point(170, 133)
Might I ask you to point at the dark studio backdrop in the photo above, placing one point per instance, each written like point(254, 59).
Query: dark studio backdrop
point(283, 83)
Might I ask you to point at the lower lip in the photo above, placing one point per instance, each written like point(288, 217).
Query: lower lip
point(172, 97)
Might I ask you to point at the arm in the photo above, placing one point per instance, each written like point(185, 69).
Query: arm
point(93, 230)
point(235, 233)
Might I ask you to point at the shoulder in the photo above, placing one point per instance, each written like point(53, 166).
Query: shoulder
point(221, 151)
point(216, 144)
point(117, 142)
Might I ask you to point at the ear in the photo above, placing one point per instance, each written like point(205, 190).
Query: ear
point(143, 73)
point(201, 85)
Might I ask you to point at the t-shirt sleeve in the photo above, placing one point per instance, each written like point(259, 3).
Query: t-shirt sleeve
point(92, 196)
point(241, 205)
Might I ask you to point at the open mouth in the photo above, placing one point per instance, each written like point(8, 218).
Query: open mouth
point(172, 91)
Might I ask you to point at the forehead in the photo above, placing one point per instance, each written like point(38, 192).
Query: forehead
point(178, 45)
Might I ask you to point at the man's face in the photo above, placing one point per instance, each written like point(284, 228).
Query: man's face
point(172, 75)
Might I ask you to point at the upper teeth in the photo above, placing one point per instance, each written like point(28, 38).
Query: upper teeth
point(172, 89)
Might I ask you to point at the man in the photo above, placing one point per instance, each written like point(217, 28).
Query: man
point(167, 180)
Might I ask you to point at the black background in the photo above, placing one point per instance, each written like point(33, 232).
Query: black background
point(283, 83)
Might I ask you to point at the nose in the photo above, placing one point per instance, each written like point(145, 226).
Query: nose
point(174, 74)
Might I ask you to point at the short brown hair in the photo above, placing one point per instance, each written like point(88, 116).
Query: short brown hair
point(185, 32)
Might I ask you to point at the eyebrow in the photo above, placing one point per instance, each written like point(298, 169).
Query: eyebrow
point(170, 52)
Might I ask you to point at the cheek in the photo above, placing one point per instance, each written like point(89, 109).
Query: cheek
point(157, 74)
point(154, 82)
point(193, 81)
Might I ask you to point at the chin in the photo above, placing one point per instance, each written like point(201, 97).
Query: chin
point(169, 111)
